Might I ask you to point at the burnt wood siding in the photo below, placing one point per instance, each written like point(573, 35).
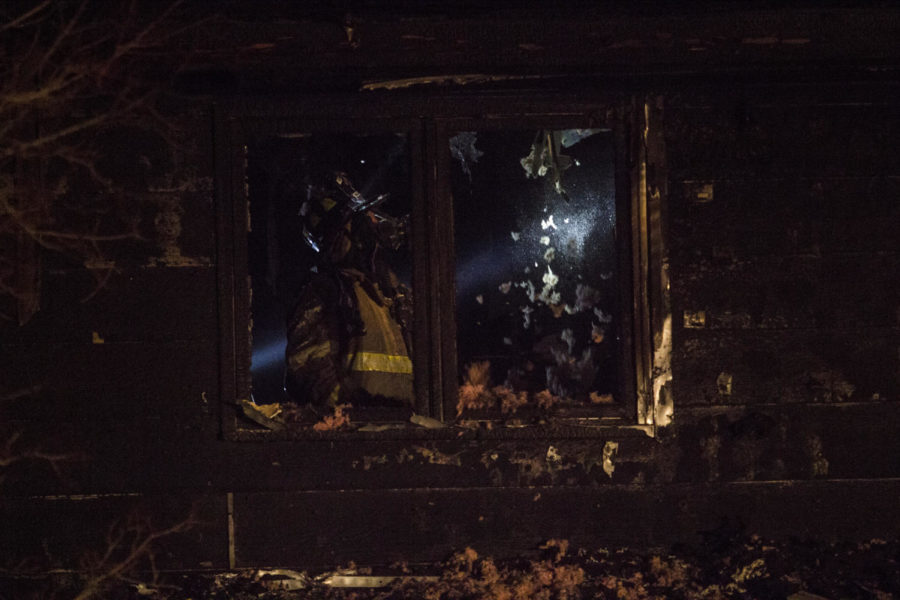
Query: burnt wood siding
point(794, 262)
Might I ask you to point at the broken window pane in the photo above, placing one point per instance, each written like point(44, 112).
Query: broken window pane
point(330, 269)
point(536, 282)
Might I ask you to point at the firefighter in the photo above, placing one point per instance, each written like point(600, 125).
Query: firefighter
point(348, 338)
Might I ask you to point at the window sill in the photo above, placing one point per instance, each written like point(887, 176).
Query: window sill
point(465, 430)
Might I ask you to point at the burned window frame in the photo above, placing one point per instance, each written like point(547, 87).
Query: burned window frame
point(428, 121)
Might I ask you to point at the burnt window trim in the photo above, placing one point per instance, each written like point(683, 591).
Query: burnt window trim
point(427, 121)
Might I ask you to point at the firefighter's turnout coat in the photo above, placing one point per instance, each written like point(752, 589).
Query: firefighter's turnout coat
point(344, 345)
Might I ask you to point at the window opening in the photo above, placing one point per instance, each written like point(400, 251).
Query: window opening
point(330, 271)
point(539, 269)
point(537, 285)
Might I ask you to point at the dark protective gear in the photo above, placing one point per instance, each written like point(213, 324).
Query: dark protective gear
point(327, 213)
point(347, 335)
point(330, 361)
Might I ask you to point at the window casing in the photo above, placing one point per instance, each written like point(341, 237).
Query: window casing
point(625, 126)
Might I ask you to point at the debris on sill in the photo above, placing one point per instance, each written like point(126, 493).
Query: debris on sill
point(426, 422)
point(267, 415)
point(477, 393)
point(282, 580)
point(374, 581)
point(370, 427)
point(336, 421)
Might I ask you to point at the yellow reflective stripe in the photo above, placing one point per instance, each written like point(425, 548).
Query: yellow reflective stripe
point(300, 357)
point(383, 363)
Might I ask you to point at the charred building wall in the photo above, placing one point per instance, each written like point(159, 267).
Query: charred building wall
point(781, 192)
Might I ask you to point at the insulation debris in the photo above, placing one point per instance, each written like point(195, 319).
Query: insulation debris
point(550, 278)
point(526, 316)
point(557, 310)
point(336, 421)
point(462, 148)
point(548, 223)
point(548, 296)
point(546, 399)
point(570, 137)
point(569, 338)
point(596, 398)
point(602, 316)
point(473, 393)
point(530, 291)
point(545, 159)
point(586, 297)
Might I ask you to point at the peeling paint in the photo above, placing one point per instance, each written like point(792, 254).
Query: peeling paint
point(694, 319)
point(436, 457)
point(553, 456)
point(167, 224)
point(463, 79)
point(831, 386)
point(663, 405)
point(814, 450)
point(699, 192)
point(723, 384)
point(610, 451)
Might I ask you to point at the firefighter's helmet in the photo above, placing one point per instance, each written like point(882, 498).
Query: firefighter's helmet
point(337, 213)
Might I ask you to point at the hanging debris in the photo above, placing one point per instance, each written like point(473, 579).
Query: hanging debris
point(462, 148)
point(545, 159)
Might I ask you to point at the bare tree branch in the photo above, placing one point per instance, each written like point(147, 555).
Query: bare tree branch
point(137, 539)
point(72, 74)
point(23, 18)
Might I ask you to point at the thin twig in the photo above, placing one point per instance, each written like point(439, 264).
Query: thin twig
point(21, 19)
